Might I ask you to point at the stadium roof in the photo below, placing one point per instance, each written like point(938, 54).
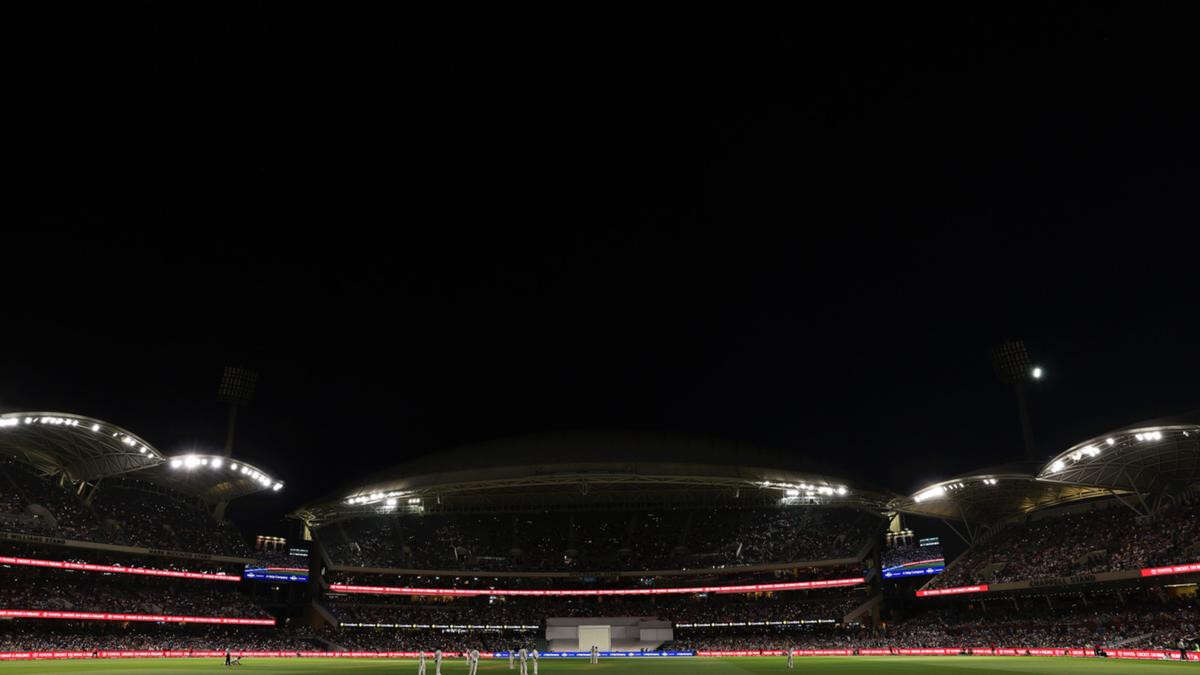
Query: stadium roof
point(1146, 458)
point(84, 449)
point(993, 494)
point(1150, 457)
point(590, 469)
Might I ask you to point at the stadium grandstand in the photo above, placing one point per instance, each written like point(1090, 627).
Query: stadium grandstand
point(635, 543)
point(105, 541)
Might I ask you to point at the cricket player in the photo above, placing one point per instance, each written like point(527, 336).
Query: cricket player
point(437, 662)
point(595, 654)
point(791, 658)
point(512, 655)
point(421, 664)
point(534, 655)
point(524, 656)
point(473, 662)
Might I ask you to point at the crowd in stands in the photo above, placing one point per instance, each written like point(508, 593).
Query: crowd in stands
point(123, 511)
point(1108, 539)
point(33, 635)
point(1142, 621)
point(602, 540)
point(392, 640)
point(94, 592)
point(534, 610)
point(577, 582)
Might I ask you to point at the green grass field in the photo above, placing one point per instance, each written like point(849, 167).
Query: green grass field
point(935, 665)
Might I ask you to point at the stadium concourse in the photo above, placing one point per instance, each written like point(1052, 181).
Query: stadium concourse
point(654, 545)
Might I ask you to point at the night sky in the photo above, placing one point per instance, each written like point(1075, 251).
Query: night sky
point(803, 231)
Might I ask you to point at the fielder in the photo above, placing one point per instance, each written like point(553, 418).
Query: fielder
point(421, 664)
point(791, 658)
point(534, 655)
point(473, 662)
point(512, 654)
point(524, 656)
point(595, 654)
point(437, 662)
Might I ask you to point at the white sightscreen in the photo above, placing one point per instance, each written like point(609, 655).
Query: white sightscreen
point(594, 635)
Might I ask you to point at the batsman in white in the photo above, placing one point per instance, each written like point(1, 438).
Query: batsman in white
point(437, 662)
point(421, 664)
point(791, 658)
point(534, 655)
point(524, 656)
point(473, 662)
point(512, 655)
point(595, 654)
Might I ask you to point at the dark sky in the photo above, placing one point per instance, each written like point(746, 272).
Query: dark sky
point(801, 230)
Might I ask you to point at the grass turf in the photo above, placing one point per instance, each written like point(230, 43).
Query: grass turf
point(935, 665)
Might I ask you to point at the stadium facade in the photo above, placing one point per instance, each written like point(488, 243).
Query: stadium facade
point(683, 544)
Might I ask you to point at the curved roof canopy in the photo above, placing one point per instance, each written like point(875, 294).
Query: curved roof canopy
point(82, 448)
point(589, 469)
point(212, 477)
point(993, 494)
point(1150, 457)
point(87, 449)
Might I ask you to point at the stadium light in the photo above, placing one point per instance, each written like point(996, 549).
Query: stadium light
point(277, 487)
point(1110, 441)
point(95, 427)
point(1057, 465)
point(176, 463)
point(233, 466)
point(1037, 372)
point(217, 462)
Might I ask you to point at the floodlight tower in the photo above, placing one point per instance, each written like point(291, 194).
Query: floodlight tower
point(237, 389)
point(1013, 367)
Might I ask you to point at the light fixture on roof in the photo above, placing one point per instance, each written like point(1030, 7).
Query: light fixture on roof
point(792, 493)
point(1110, 441)
point(233, 466)
point(95, 427)
point(1057, 465)
point(217, 462)
point(191, 461)
point(277, 487)
point(176, 463)
point(841, 490)
point(1037, 372)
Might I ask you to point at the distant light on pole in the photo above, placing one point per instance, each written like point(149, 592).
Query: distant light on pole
point(1037, 372)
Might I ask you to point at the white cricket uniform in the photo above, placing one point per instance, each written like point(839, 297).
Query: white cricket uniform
point(595, 654)
point(534, 655)
point(524, 656)
point(421, 664)
point(791, 658)
point(473, 662)
point(437, 662)
point(512, 655)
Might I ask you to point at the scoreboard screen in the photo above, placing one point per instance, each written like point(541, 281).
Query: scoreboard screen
point(290, 574)
point(913, 561)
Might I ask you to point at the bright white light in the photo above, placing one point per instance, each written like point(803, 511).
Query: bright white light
point(10, 422)
point(233, 466)
point(204, 461)
point(176, 463)
point(391, 501)
point(793, 493)
point(935, 491)
point(1110, 441)
point(277, 487)
point(191, 461)
point(841, 490)
point(217, 462)
point(95, 427)
point(1037, 373)
point(1091, 450)
point(1057, 465)
point(414, 500)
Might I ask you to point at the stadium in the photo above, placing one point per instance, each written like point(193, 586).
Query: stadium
point(638, 551)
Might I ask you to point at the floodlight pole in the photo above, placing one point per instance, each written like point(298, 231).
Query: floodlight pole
point(232, 424)
point(1026, 425)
